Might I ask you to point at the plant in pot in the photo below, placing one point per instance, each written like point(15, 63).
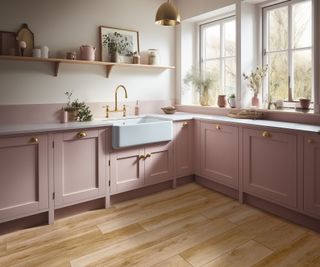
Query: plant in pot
point(77, 111)
point(117, 45)
point(202, 83)
point(255, 82)
point(232, 101)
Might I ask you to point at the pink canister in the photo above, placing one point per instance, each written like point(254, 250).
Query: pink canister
point(87, 52)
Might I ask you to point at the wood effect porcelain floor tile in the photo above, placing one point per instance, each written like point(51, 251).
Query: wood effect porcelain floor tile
point(300, 253)
point(142, 241)
point(175, 261)
point(245, 255)
point(165, 249)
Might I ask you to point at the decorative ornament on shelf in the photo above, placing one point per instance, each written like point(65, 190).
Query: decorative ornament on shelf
point(255, 82)
point(167, 15)
point(203, 83)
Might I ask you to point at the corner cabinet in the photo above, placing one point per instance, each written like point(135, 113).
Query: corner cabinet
point(219, 153)
point(80, 166)
point(270, 166)
point(136, 167)
point(24, 176)
point(183, 148)
point(311, 168)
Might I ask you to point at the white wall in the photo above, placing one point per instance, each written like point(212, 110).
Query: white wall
point(65, 25)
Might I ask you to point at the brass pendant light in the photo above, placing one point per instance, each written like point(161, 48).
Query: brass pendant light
point(167, 15)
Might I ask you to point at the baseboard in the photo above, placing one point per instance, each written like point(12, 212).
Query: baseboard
point(290, 215)
point(230, 192)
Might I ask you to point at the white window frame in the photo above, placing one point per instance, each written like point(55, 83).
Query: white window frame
point(290, 50)
point(222, 58)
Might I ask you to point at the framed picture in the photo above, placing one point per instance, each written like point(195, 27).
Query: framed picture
point(8, 43)
point(118, 45)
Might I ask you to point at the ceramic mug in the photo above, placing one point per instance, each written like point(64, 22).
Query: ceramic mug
point(232, 102)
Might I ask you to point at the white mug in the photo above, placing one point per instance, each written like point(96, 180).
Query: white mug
point(279, 104)
point(36, 52)
point(44, 51)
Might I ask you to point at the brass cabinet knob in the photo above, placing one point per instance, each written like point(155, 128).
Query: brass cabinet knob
point(184, 124)
point(218, 127)
point(142, 157)
point(266, 134)
point(34, 140)
point(82, 134)
point(148, 155)
point(310, 141)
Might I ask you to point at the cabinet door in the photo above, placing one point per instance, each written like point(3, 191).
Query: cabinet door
point(126, 170)
point(219, 153)
point(312, 175)
point(183, 148)
point(158, 163)
point(23, 176)
point(270, 166)
point(79, 166)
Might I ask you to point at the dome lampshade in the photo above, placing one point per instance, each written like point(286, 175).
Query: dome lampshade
point(167, 15)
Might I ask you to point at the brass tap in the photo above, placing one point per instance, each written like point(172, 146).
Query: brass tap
point(124, 110)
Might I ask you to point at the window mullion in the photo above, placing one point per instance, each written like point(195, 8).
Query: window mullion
point(290, 58)
point(222, 79)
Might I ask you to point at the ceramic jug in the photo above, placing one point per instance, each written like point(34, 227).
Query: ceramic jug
point(87, 52)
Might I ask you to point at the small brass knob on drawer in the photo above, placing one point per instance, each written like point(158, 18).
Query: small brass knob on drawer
point(218, 127)
point(142, 157)
point(82, 134)
point(310, 141)
point(266, 134)
point(185, 124)
point(148, 155)
point(34, 140)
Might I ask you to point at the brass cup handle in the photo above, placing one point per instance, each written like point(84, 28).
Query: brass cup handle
point(185, 124)
point(218, 127)
point(142, 157)
point(148, 155)
point(310, 141)
point(266, 134)
point(82, 134)
point(34, 140)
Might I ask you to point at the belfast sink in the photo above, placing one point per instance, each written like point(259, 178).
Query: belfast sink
point(140, 131)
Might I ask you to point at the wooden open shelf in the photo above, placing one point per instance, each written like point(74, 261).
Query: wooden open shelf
point(108, 65)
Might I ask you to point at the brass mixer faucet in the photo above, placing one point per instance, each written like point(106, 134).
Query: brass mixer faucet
point(124, 110)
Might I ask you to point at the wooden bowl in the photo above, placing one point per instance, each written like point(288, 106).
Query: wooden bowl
point(169, 110)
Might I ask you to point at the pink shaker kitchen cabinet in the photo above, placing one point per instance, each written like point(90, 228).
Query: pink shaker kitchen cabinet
point(126, 169)
point(219, 153)
point(136, 167)
point(270, 166)
point(312, 175)
point(158, 164)
point(23, 176)
point(80, 166)
point(183, 148)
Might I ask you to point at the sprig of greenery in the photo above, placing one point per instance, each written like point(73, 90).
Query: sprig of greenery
point(201, 81)
point(255, 78)
point(83, 111)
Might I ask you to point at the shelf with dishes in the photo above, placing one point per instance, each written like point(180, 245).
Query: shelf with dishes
point(108, 65)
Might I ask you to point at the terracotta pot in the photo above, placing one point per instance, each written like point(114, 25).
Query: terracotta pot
point(255, 101)
point(222, 101)
point(304, 103)
point(72, 115)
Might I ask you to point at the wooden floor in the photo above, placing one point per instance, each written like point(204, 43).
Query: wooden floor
point(189, 226)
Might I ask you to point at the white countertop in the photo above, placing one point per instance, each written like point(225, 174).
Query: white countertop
point(11, 129)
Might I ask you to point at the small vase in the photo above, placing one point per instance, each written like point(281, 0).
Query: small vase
point(115, 57)
point(222, 101)
point(232, 102)
point(205, 98)
point(255, 101)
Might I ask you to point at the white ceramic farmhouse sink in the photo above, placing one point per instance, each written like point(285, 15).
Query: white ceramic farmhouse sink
point(140, 131)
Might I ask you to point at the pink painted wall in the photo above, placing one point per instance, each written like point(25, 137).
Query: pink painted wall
point(48, 113)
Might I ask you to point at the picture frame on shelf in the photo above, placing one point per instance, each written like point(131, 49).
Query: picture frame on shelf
point(118, 45)
point(8, 43)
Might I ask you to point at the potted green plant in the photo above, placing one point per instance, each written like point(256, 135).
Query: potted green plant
point(232, 101)
point(77, 111)
point(117, 45)
point(203, 83)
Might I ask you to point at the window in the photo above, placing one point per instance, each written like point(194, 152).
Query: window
point(287, 40)
point(218, 54)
